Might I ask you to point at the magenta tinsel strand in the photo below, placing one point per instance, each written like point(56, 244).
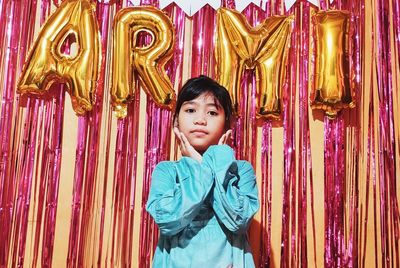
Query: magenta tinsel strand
point(266, 195)
point(386, 139)
point(394, 210)
point(154, 3)
point(22, 197)
point(156, 149)
point(14, 46)
point(54, 178)
point(132, 145)
point(145, 228)
point(41, 180)
point(396, 25)
point(357, 37)
point(174, 67)
point(228, 4)
point(312, 63)
point(6, 179)
point(367, 182)
point(263, 236)
point(145, 224)
point(119, 175)
point(289, 143)
point(253, 134)
point(103, 17)
point(269, 201)
point(327, 187)
point(89, 167)
point(303, 142)
point(125, 197)
point(244, 122)
point(77, 192)
point(323, 4)
point(203, 42)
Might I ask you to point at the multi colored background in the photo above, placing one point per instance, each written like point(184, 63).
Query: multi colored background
point(73, 188)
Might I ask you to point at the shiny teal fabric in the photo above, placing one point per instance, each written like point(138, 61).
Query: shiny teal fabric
point(203, 210)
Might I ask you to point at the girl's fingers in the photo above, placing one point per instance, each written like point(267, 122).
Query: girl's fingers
point(177, 133)
point(222, 139)
point(225, 138)
point(185, 140)
point(228, 135)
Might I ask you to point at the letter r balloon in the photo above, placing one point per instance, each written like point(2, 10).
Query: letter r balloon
point(147, 62)
point(263, 48)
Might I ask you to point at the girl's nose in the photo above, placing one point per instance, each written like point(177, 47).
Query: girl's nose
point(200, 120)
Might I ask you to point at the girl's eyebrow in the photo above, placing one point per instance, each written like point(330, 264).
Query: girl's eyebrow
point(210, 104)
point(189, 102)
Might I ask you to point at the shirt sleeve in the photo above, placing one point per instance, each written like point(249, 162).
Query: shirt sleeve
point(235, 194)
point(177, 192)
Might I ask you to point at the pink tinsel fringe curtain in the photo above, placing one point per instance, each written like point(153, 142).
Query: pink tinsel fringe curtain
point(361, 148)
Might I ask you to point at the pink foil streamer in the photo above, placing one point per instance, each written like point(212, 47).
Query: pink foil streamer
point(354, 243)
point(10, 18)
point(266, 195)
point(387, 158)
point(203, 61)
point(334, 160)
point(53, 180)
point(86, 164)
point(228, 4)
point(157, 147)
point(396, 26)
point(387, 192)
point(304, 140)
point(147, 226)
point(24, 179)
point(289, 173)
point(15, 186)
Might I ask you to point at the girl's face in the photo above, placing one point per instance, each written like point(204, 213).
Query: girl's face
point(202, 121)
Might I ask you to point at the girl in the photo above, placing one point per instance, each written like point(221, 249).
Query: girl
point(204, 202)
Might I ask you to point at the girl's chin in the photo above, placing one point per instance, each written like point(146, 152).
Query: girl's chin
point(202, 148)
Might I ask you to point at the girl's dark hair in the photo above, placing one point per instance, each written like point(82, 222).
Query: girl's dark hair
point(196, 86)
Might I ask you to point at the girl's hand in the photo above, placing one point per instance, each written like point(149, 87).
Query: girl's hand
point(225, 138)
point(186, 148)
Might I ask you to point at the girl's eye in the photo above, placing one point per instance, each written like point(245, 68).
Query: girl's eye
point(190, 110)
point(213, 113)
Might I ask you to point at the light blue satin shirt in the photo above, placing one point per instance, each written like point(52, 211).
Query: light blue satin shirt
point(203, 210)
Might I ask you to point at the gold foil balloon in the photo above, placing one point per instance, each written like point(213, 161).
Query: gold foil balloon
point(332, 82)
point(47, 64)
point(265, 48)
point(146, 62)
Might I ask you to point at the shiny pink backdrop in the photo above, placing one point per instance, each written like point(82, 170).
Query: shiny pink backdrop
point(32, 135)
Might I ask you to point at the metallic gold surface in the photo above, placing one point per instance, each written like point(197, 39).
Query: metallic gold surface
point(263, 48)
point(47, 63)
point(147, 62)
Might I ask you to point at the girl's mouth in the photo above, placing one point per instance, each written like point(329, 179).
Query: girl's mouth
point(199, 132)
